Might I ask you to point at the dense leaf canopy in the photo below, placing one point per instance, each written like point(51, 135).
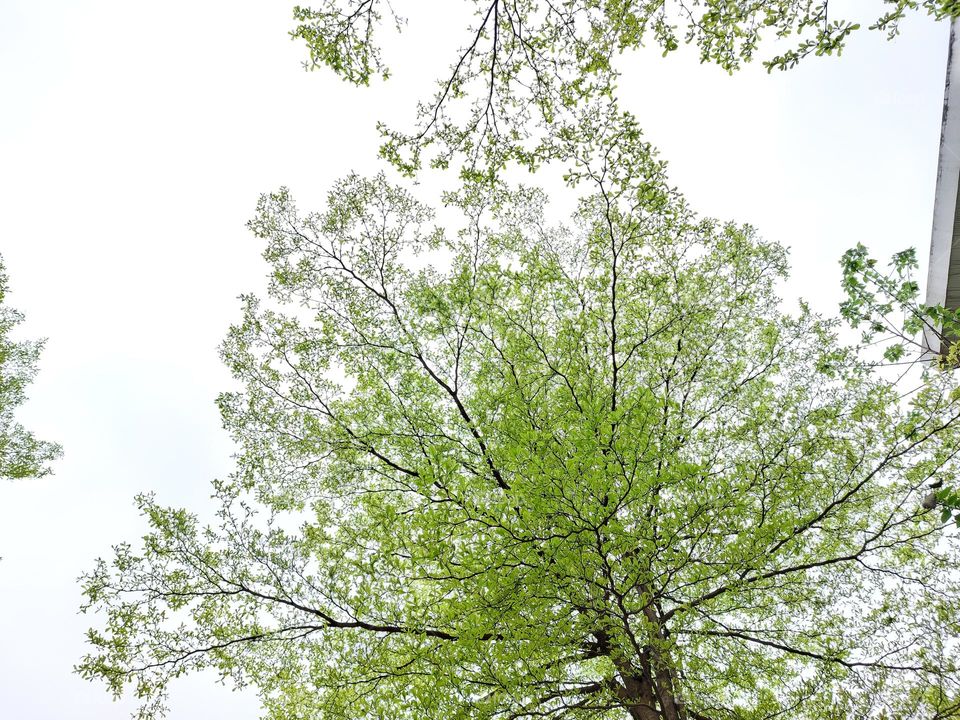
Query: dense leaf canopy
point(579, 469)
point(21, 454)
point(524, 64)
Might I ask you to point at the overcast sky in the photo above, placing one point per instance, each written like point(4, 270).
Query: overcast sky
point(134, 140)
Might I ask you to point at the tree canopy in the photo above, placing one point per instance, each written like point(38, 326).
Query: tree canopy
point(498, 464)
point(21, 454)
point(524, 64)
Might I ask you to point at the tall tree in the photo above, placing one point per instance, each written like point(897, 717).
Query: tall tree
point(21, 454)
point(591, 469)
point(525, 64)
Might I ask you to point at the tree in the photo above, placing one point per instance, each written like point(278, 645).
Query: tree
point(591, 469)
point(526, 64)
point(21, 454)
point(887, 306)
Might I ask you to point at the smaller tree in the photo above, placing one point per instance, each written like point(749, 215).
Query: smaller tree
point(886, 307)
point(21, 454)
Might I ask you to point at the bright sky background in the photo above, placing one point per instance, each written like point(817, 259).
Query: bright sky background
point(134, 140)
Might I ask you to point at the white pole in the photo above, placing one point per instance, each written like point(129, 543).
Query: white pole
point(948, 175)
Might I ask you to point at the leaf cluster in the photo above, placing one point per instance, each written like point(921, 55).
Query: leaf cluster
point(21, 454)
point(526, 65)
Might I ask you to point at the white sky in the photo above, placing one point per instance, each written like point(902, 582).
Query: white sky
point(134, 141)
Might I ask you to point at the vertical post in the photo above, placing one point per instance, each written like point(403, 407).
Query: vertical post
point(940, 290)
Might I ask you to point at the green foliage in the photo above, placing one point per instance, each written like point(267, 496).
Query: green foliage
point(343, 40)
point(570, 470)
point(887, 307)
point(526, 64)
point(21, 454)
